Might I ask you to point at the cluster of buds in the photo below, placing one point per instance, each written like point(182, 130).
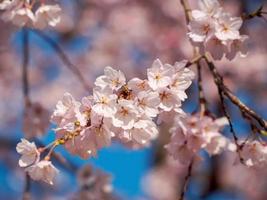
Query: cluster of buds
point(216, 31)
point(192, 133)
point(117, 110)
point(30, 13)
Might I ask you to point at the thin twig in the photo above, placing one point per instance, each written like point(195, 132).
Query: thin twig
point(258, 13)
point(186, 181)
point(67, 164)
point(25, 64)
point(201, 97)
point(63, 57)
point(25, 89)
point(26, 193)
point(194, 60)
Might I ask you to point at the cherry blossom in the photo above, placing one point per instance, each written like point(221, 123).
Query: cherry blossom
point(238, 46)
point(29, 153)
point(216, 31)
point(94, 184)
point(105, 102)
point(125, 115)
point(192, 133)
point(66, 110)
point(209, 7)
point(148, 102)
point(43, 170)
point(30, 13)
point(216, 47)
point(143, 131)
point(112, 78)
point(159, 75)
point(47, 15)
point(227, 27)
point(20, 15)
point(137, 85)
point(117, 110)
point(254, 154)
point(201, 29)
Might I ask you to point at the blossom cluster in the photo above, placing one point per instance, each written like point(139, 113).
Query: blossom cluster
point(36, 168)
point(192, 133)
point(216, 31)
point(254, 154)
point(30, 13)
point(119, 110)
point(93, 184)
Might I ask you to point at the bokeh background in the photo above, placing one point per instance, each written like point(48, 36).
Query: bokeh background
point(128, 35)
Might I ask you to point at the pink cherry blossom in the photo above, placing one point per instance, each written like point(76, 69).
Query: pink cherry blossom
point(238, 46)
point(193, 133)
point(159, 75)
point(227, 27)
point(254, 154)
point(43, 171)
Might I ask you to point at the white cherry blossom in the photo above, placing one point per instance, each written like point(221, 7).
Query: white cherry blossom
point(216, 47)
point(105, 102)
point(216, 31)
point(47, 15)
point(238, 46)
point(7, 4)
point(29, 153)
point(111, 78)
point(137, 85)
point(168, 99)
point(228, 27)
point(190, 134)
point(210, 7)
point(20, 15)
point(148, 102)
point(159, 75)
point(126, 114)
point(66, 110)
point(201, 29)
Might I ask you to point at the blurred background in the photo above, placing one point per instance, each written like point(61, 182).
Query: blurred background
point(127, 35)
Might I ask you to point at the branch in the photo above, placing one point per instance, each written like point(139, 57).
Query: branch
point(63, 57)
point(201, 97)
point(25, 88)
point(187, 10)
point(25, 63)
point(194, 60)
point(187, 178)
point(26, 192)
point(234, 99)
point(258, 13)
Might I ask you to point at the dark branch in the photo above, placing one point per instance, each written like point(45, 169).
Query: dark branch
point(186, 181)
point(201, 97)
point(25, 64)
point(234, 99)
